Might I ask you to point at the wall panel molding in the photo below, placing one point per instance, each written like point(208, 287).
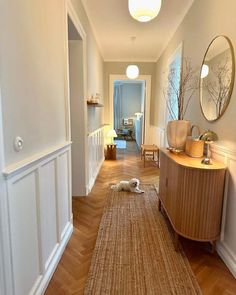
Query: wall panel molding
point(226, 247)
point(18, 167)
point(156, 136)
point(40, 218)
point(95, 155)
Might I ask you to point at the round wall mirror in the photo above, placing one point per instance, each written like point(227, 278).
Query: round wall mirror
point(217, 78)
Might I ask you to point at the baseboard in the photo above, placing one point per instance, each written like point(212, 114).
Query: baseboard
point(93, 179)
point(43, 284)
point(227, 256)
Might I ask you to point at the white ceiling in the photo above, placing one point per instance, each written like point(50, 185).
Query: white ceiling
point(113, 28)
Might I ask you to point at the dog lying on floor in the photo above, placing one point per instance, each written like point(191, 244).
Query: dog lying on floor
point(129, 186)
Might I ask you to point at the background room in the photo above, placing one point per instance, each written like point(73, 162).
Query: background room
point(129, 111)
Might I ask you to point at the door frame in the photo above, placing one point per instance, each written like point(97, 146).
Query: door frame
point(71, 13)
point(147, 79)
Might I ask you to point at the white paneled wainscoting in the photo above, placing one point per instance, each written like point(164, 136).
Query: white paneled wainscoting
point(156, 136)
point(226, 247)
point(95, 155)
point(39, 219)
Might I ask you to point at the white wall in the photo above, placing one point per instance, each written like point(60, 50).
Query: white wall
point(36, 188)
point(131, 97)
point(32, 68)
point(204, 21)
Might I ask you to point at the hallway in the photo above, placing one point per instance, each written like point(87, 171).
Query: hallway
point(70, 276)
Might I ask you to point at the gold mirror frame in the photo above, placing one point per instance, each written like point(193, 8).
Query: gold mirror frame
point(232, 77)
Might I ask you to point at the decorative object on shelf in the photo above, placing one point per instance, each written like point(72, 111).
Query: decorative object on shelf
point(138, 115)
point(144, 10)
point(94, 104)
point(208, 137)
point(217, 78)
point(174, 151)
point(194, 145)
point(177, 132)
point(111, 134)
point(94, 98)
point(178, 129)
point(132, 71)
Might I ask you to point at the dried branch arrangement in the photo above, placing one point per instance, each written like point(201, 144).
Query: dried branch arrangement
point(182, 92)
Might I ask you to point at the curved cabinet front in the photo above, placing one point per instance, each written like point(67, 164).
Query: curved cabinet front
point(192, 195)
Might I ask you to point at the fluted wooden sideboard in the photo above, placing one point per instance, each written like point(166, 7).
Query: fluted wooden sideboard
point(191, 194)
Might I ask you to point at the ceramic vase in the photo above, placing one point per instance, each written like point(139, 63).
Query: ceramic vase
point(177, 132)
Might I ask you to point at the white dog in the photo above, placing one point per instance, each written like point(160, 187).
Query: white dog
point(129, 186)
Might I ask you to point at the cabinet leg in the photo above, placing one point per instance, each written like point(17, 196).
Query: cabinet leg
point(159, 205)
point(213, 246)
point(176, 242)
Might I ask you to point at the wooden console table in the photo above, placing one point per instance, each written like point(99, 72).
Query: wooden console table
point(191, 194)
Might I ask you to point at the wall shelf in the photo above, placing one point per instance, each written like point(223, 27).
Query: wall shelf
point(92, 104)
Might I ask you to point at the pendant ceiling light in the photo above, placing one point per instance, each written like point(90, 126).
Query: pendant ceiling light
point(132, 71)
point(144, 10)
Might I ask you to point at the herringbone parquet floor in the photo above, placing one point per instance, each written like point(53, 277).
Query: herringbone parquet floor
point(71, 273)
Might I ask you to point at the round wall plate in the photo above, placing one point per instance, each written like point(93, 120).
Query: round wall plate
point(18, 143)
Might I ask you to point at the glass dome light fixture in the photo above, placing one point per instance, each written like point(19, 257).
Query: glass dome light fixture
point(132, 71)
point(144, 10)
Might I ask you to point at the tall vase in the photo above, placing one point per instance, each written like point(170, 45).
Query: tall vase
point(177, 132)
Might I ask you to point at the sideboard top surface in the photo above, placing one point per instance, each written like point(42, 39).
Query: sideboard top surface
point(183, 160)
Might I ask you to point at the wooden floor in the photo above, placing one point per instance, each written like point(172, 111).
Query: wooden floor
point(71, 273)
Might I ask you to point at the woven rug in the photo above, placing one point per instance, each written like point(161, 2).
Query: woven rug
point(134, 252)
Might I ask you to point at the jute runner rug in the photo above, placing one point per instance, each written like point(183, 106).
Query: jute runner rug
point(134, 252)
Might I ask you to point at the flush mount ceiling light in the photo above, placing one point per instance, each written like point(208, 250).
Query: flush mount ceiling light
point(132, 71)
point(204, 71)
point(144, 10)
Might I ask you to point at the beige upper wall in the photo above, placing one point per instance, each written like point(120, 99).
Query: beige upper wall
point(32, 68)
point(33, 74)
point(204, 21)
point(119, 68)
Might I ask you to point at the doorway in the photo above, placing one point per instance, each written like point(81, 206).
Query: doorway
point(140, 125)
point(77, 111)
point(129, 112)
